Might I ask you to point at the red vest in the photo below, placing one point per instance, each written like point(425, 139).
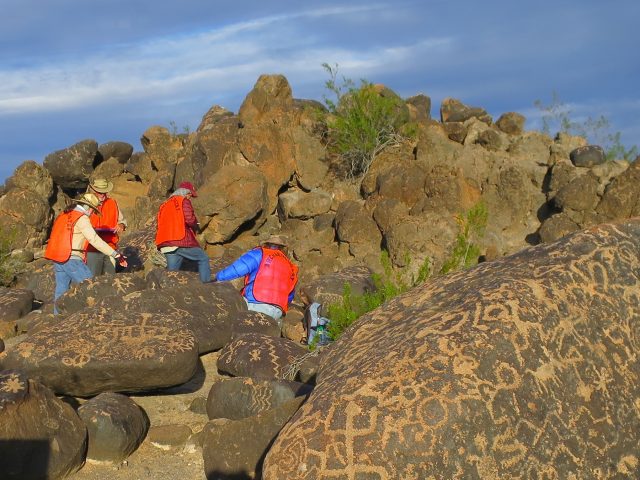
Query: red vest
point(107, 220)
point(59, 246)
point(171, 221)
point(275, 280)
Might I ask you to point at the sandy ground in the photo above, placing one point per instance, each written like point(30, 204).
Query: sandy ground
point(171, 408)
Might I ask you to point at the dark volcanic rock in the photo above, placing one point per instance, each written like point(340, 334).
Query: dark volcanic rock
point(89, 292)
point(91, 352)
point(234, 449)
point(40, 436)
point(519, 366)
point(259, 356)
point(209, 310)
point(236, 398)
point(254, 322)
point(72, 166)
point(116, 426)
point(587, 156)
point(14, 304)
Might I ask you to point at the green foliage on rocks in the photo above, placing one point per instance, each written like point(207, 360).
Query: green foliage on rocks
point(465, 253)
point(387, 286)
point(596, 130)
point(362, 122)
point(472, 225)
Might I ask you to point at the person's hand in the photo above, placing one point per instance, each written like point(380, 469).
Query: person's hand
point(119, 228)
point(121, 259)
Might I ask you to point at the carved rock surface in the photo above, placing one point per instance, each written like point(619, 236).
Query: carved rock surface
point(521, 367)
point(91, 352)
point(259, 356)
point(236, 398)
point(40, 436)
point(235, 448)
point(89, 292)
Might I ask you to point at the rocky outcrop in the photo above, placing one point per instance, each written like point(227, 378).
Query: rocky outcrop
point(71, 167)
point(493, 372)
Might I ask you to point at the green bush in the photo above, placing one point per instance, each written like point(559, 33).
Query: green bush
point(465, 253)
point(387, 286)
point(472, 225)
point(362, 122)
point(596, 130)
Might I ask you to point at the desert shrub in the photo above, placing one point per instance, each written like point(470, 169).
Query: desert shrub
point(597, 131)
point(362, 122)
point(387, 286)
point(471, 227)
point(465, 253)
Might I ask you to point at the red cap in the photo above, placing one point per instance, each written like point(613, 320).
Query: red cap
point(189, 186)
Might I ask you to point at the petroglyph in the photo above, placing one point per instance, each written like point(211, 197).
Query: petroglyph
point(93, 351)
point(259, 356)
point(525, 367)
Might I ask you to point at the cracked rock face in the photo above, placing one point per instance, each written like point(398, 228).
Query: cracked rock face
point(521, 367)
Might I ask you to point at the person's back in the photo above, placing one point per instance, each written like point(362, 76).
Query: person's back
point(270, 277)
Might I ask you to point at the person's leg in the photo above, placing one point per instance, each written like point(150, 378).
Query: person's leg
point(94, 262)
point(174, 261)
point(77, 270)
point(73, 270)
point(63, 281)
point(197, 254)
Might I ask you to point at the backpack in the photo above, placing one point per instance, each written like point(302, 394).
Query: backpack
point(316, 325)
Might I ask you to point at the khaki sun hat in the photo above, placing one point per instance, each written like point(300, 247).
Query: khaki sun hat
point(88, 199)
point(277, 240)
point(101, 185)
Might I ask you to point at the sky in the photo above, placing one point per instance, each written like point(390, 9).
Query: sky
point(71, 70)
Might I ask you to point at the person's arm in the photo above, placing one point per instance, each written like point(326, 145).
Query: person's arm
point(190, 219)
point(245, 265)
point(85, 227)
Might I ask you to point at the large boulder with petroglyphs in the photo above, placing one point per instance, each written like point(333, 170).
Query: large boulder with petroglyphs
point(91, 351)
point(40, 435)
point(208, 310)
point(525, 367)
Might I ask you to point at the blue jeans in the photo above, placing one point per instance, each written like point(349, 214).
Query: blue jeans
point(73, 270)
point(174, 261)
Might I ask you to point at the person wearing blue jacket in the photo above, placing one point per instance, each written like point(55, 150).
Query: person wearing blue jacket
point(270, 277)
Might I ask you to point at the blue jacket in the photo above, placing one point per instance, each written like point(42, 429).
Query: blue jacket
point(247, 264)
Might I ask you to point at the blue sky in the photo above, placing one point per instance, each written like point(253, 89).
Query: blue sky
point(108, 70)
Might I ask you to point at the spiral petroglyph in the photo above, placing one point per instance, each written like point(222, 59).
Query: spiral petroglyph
point(525, 367)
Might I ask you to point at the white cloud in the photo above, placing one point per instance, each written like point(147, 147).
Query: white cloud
point(207, 61)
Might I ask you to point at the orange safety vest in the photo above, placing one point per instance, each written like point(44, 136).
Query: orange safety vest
point(171, 221)
point(105, 223)
point(275, 280)
point(59, 245)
